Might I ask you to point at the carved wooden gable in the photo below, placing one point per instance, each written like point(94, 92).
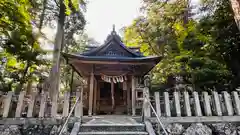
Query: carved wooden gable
point(114, 49)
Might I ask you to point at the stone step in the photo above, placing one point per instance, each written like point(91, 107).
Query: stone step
point(112, 133)
point(111, 127)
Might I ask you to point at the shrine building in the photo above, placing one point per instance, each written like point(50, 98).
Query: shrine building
point(114, 73)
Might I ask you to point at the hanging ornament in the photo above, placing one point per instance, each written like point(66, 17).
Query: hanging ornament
point(118, 79)
point(114, 80)
point(121, 79)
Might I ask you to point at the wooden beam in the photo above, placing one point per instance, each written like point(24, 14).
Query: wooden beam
point(110, 62)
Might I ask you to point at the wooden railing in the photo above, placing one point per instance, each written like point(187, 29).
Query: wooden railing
point(39, 105)
point(185, 104)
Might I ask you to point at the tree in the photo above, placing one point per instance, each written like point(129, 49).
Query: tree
point(236, 9)
point(70, 21)
point(225, 37)
point(170, 30)
point(20, 48)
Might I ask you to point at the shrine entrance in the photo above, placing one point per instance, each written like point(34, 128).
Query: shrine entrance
point(111, 99)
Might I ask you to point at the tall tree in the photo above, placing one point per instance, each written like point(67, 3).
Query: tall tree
point(236, 9)
point(20, 48)
point(170, 30)
point(65, 8)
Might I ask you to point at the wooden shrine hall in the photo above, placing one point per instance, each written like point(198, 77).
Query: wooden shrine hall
point(114, 72)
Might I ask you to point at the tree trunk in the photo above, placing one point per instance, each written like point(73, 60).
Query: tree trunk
point(55, 71)
point(23, 79)
point(236, 10)
point(29, 87)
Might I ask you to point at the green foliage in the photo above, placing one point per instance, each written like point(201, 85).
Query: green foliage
point(20, 48)
point(21, 53)
point(203, 52)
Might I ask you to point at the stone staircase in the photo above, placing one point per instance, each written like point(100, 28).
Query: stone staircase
point(112, 126)
point(112, 129)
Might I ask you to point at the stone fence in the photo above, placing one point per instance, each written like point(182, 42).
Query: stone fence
point(171, 107)
point(38, 106)
point(197, 104)
point(194, 107)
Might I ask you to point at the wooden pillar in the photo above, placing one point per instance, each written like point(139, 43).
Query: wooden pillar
point(124, 88)
point(112, 95)
point(128, 97)
point(90, 100)
point(98, 96)
point(95, 97)
point(133, 96)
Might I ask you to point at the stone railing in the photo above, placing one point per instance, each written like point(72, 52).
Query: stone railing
point(38, 106)
point(193, 107)
point(182, 107)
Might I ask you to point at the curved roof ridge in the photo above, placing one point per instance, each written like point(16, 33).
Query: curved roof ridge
point(113, 36)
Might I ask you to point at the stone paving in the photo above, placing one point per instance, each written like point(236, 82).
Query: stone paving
point(112, 120)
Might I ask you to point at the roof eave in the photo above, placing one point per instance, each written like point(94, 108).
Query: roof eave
point(157, 59)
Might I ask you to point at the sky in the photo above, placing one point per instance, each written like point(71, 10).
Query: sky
point(102, 14)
